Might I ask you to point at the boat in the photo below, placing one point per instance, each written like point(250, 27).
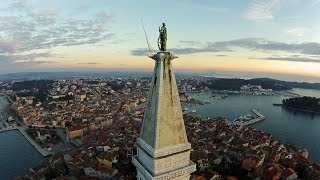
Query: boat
point(224, 96)
point(193, 111)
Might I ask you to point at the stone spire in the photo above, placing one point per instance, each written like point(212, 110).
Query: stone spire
point(163, 148)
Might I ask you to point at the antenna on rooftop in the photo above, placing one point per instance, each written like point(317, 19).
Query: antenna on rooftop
point(146, 35)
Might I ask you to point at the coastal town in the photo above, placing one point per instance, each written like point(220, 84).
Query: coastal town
point(87, 129)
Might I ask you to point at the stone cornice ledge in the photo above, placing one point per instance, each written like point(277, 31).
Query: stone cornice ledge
point(159, 55)
point(164, 151)
point(169, 175)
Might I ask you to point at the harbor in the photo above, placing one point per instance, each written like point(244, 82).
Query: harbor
point(282, 123)
point(248, 119)
point(8, 123)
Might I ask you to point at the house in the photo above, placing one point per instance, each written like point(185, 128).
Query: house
point(74, 131)
point(201, 158)
point(101, 172)
point(79, 97)
point(250, 163)
point(39, 168)
point(272, 172)
point(56, 159)
point(37, 176)
point(289, 174)
point(108, 158)
point(125, 107)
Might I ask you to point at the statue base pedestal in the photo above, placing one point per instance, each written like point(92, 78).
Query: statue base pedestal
point(163, 55)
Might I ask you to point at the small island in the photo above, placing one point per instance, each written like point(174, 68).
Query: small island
point(307, 104)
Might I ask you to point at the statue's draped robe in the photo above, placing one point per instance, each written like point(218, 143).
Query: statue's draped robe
point(163, 38)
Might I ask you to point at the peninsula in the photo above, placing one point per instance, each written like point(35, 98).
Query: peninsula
point(306, 104)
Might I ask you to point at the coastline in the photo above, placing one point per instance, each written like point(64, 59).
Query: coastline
point(21, 129)
point(43, 152)
point(301, 110)
point(277, 123)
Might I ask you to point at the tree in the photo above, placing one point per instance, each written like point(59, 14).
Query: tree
point(68, 124)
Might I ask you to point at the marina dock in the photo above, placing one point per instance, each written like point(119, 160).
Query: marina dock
point(259, 118)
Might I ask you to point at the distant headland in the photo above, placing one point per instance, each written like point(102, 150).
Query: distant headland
point(306, 104)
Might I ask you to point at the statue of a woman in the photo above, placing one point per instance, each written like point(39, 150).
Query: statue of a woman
point(162, 40)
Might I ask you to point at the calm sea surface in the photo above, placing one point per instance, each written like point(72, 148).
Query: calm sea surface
point(287, 126)
point(17, 155)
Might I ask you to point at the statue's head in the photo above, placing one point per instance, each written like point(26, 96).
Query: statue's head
point(163, 24)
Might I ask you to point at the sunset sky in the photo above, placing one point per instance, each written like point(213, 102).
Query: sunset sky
point(270, 36)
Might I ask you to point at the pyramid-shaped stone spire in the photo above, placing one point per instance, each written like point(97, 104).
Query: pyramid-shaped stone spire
point(163, 123)
point(163, 148)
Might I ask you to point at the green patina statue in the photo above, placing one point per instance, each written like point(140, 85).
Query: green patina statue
point(162, 40)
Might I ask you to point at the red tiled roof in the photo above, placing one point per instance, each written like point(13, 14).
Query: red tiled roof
point(84, 177)
point(75, 127)
point(105, 169)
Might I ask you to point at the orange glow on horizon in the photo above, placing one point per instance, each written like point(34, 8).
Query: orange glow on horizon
point(195, 62)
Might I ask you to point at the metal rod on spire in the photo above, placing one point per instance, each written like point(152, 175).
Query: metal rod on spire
point(146, 35)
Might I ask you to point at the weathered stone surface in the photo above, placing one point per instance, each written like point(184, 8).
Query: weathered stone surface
point(163, 148)
point(163, 123)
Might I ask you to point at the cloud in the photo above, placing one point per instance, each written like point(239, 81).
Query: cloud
point(294, 58)
point(7, 46)
point(260, 44)
point(202, 7)
point(33, 29)
point(296, 31)
point(315, 3)
point(191, 43)
point(89, 63)
point(251, 44)
point(20, 4)
point(24, 57)
point(263, 10)
point(44, 31)
point(188, 50)
point(32, 63)
point(214, 9)
point(28, 35)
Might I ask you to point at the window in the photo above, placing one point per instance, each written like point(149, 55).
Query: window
point(155, 81)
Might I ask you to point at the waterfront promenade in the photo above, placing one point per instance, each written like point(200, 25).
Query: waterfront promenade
point(4, 126)
point(42, 151)
point(7, 129)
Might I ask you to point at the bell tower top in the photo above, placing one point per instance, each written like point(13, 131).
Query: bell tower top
point(163, 148)
point(163, 124)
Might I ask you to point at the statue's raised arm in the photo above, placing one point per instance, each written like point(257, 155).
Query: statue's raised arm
point(162, 40)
